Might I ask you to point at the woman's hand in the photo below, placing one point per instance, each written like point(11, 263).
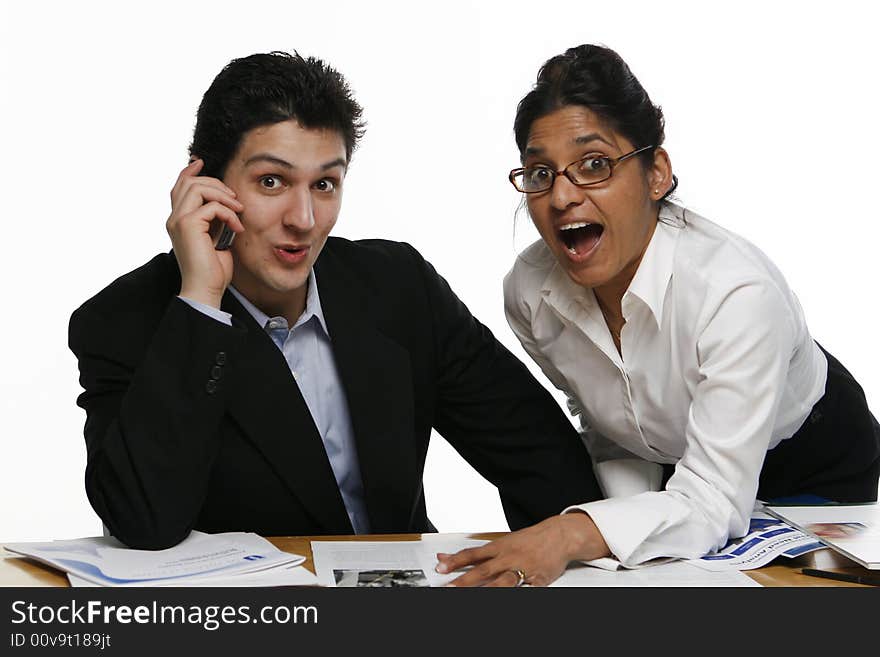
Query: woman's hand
point(540, 552)
point(198, 204)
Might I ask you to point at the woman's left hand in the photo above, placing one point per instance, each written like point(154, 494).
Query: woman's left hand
point(540, 553)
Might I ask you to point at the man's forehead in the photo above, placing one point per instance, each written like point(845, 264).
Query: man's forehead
point(291, 145)
point(293, 126)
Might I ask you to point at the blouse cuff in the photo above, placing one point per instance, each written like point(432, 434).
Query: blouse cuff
point(625, 523)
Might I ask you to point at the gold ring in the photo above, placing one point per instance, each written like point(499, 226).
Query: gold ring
point(521, 577)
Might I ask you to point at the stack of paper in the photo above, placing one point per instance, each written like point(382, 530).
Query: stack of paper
point(230, 559)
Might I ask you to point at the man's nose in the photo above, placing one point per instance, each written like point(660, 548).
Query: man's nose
point(299, 213)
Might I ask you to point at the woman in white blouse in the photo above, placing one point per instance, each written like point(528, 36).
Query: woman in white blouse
point(678, 344)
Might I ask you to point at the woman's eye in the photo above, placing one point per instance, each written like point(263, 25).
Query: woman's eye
point(538, 174)
point(593, 164)
point(270, 182)
point(325, 185)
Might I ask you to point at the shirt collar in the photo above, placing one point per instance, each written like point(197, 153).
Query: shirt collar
point(563, 293)
point(655, 270)
point(312, 309)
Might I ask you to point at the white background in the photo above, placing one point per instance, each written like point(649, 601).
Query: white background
point(772, 125)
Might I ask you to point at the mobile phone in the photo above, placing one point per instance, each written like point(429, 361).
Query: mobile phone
point(226, 235)
point(224, 240)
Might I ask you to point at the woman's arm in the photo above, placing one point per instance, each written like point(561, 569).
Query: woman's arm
point(744, 345)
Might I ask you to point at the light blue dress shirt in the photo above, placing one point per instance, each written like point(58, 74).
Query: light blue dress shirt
point(307, 350)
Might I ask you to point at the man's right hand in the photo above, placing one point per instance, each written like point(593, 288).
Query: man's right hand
point(198, 205)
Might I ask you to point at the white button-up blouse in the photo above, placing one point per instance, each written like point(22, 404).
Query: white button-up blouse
point(717, 367)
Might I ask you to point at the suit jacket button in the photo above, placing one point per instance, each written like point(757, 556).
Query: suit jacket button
point(216, 372)
point(211, 387)
point(220, 359)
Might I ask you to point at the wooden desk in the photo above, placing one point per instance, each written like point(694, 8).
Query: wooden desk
point(16, 571)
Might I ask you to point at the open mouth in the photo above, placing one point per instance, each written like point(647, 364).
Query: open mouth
point(581, 237)
point(291, 254)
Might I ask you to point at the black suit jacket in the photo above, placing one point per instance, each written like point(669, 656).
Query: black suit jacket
point(192, 424)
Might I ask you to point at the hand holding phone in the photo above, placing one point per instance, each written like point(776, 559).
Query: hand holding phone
point(203, 220)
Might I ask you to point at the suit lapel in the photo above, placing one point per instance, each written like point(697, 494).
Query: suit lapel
point(377, 378)
point(272, 412)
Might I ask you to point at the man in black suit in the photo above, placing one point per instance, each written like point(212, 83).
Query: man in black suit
point(262, 388)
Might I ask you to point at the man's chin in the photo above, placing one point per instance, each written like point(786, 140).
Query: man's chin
point(276, 290)
point(285, 281)
point(289, 286)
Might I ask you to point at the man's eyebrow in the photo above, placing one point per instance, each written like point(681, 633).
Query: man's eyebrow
point(338, 162)
point(273, 159)
point(266, 157)
point(583, 139)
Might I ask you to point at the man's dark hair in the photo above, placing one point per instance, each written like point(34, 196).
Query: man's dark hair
point(264, 89)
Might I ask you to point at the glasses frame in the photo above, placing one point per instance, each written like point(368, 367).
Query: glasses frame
point(612, 162)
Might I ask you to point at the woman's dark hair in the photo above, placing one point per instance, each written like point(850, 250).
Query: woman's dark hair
point(597, 78)
point(264, 89)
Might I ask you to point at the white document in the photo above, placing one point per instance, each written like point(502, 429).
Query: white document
point(386, 563)
point(281, 576)
point(669, 574)
point(853, 530)
point(411, 563)
point(104, 561)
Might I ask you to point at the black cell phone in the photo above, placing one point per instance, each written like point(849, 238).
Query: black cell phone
point(224, 240)
point(226, 235)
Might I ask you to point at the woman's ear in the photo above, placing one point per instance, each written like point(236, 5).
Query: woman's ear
point(660, 174)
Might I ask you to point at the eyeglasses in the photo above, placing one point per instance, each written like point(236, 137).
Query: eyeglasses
point(589, 171)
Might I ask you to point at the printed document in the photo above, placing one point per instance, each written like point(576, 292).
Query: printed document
point(411, 563)
point(104, 561)
point(768, 538)
point(386, 563)
point(665, 574)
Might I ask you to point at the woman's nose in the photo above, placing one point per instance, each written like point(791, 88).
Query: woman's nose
point(565, 193)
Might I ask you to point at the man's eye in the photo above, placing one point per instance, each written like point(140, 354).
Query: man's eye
point(270, 182)
point(325, 185)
